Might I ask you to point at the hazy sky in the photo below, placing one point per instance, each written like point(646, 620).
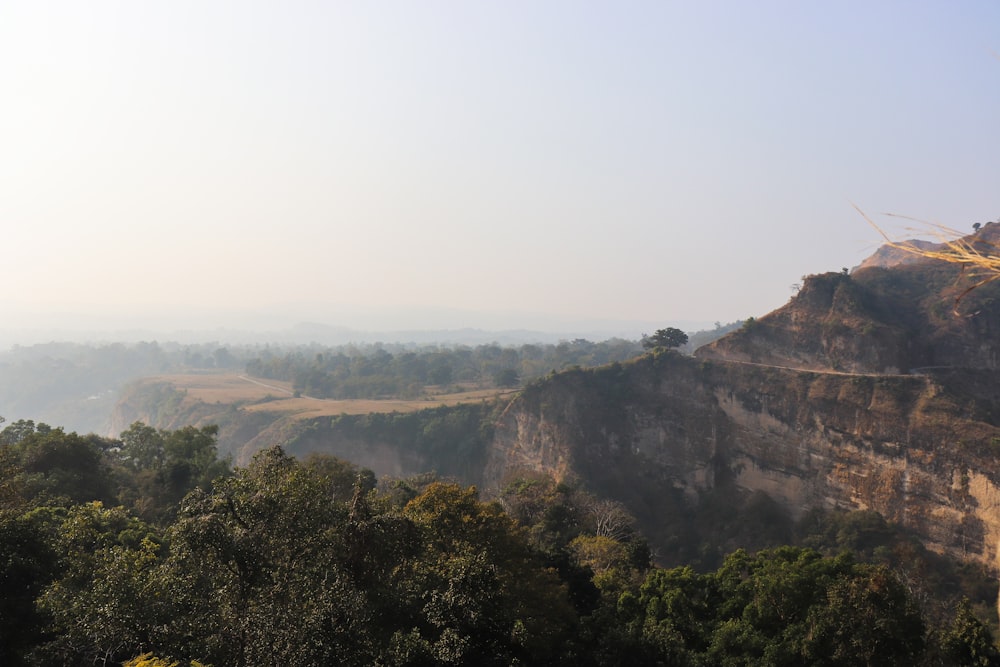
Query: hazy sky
point(536, 161)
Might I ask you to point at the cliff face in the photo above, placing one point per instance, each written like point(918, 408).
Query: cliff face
point(913, 448)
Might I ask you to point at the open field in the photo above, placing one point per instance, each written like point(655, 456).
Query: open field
point(263, 395)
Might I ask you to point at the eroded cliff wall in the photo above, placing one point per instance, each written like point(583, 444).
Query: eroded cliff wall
point(910, 447)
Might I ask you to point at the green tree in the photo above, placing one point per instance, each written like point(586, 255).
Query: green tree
point(967, 641)
point(27, 564)
point(479, 592)
point(343, 476)
point(157, 468)
point(61, 467)
point(787, 606)
point(142, 447)
point(102, 606)
point(667, 338)
point(507, 377)
point(607, 558)
point(868, 619)
point(262, 567)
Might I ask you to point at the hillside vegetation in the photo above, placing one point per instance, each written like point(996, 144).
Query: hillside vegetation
point(149, 549)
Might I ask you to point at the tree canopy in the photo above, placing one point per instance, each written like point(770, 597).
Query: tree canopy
point(667, 338)
point(157, 553)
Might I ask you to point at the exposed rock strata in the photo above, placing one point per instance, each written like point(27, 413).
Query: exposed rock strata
point(898, 445)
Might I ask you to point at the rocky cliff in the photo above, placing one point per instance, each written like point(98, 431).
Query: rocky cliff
point(875, 390)
point(917, 449)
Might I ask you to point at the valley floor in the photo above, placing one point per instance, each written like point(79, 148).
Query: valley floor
point(276, 396)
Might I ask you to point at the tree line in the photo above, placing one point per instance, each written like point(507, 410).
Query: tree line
point(77, 385)
point(382, 371)
point(150, 550)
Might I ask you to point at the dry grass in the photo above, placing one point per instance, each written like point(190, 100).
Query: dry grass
point(225, 387)
point(979, 258)
point(258, 395)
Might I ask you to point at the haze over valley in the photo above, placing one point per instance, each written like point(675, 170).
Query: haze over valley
point(569, 168)
point(548, 334)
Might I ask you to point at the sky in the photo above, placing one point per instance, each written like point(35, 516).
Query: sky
point(420, 165)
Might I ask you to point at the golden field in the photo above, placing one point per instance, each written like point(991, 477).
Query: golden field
point(254, 394)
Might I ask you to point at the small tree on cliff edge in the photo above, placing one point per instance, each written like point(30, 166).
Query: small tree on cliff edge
point(668, 338)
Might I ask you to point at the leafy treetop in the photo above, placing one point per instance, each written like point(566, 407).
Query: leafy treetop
point(668, 338)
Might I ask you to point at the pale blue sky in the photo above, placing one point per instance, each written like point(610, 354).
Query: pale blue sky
point(537, 162)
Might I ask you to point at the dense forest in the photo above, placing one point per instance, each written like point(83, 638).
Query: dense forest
point(148, 549)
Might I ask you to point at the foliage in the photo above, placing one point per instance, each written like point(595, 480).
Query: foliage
point(484, 597)
point(451, 440)
point(58, 467)
point(382, 371)
point(666, 338)
point(783, 607)
point(967, 641)
point(302, 563)
point(274, 567)
point(96, 605)
point(260, 566)
point(159, 467)
point(27, 564)
point(343, 478)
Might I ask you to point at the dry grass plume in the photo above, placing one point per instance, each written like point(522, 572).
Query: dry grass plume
point(979, 258)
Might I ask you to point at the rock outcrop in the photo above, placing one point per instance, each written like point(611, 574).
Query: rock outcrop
point(906, 446)
point(875, 390)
